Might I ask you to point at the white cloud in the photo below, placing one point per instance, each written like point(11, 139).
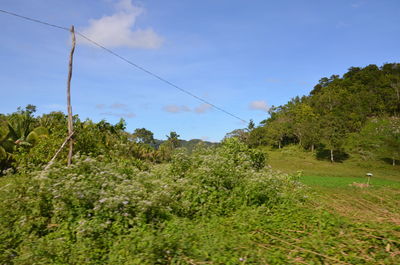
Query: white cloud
point(176, 108)
point(203, 108)
point(117, 30)
point(259, 105)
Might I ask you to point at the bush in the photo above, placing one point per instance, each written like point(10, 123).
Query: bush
point(97, 211)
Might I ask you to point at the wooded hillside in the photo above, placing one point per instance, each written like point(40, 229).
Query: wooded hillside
point(357, 113)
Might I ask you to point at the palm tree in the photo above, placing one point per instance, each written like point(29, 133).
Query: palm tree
point(173, 138)
point(22, 131)
point(3, 141)
point(6, 146)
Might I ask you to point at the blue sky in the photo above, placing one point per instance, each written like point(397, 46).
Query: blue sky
point(242, 56)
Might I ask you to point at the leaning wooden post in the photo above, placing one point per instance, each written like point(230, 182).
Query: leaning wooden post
point(70, 122)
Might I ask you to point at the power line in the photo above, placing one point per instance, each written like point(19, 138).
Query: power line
point(159, 77)
point(34, 20)
point(127, 61)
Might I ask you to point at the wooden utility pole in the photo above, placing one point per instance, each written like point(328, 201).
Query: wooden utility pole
point(70, 122)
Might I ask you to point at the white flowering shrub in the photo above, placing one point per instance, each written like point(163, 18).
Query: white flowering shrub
point(221, 180)
point(78, 214)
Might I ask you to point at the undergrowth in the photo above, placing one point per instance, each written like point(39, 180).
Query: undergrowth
point(216, 206)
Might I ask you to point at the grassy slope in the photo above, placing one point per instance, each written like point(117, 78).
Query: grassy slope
point(291, 160)
point(332, 182)
point(377, 205)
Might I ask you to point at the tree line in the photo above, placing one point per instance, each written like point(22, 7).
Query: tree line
point(357, 113)
point(28, 141)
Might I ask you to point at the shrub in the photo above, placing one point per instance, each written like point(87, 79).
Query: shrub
point(88, 212)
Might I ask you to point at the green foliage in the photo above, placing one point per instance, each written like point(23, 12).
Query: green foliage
point(59, 215)
point(216, 204)
point(113, 213)
point(28, 142)
point(173, 138)
point(194, 143)
point(3, 140)
point(219, 205)
point(335, 113)
point(378, 138)
point(144, 136)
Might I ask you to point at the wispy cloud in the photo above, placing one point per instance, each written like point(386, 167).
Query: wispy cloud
point(119, 115)
point(117, 30)
point(119, 106)
point(203, 108)
point(258, 105)
point(126, 113)
point(176, 108)
point(116, 105)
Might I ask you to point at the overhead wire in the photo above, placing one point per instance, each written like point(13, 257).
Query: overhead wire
point(127, 61)
point(34, 20)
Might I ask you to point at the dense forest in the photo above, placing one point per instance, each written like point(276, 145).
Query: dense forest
point(358, 114)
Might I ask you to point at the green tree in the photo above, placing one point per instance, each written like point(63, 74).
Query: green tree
point(334, 116)
point(5, 145)
point(22, 127)
point(389, 136)
point(173, 138)
point(165, 151)
point(277, 128)
point(240, 134)
point(257, 137)
point(306, 126)
point(251, 125)
point(144, 136)
point(380, 137)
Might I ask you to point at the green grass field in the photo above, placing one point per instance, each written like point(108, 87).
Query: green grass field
point(337, 188)
point(291, 160)
point(346, 182)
